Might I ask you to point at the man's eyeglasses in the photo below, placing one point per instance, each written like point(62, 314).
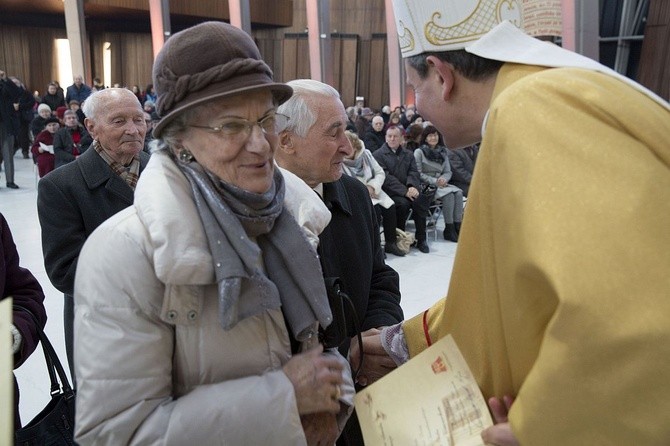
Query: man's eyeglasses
point(237, 127)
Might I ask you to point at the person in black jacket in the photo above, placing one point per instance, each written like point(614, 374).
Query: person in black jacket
point(26, 293)
point(314, 147)
point(374, 138)
point(9, 125)
point(402, 184)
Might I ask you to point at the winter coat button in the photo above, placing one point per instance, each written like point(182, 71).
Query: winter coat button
point(192, 315)
point(172, 315)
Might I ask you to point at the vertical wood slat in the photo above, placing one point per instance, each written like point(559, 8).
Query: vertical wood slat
point(654, 68)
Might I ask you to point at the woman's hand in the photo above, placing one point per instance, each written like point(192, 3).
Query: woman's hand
point(371, 191)
point(441, 182)
point(316, 381)
point(501, 433)
point(320, 429)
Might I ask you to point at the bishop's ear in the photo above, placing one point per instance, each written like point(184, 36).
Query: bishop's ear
point(444, 73)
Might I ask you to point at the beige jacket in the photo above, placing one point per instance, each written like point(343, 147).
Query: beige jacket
point(153, 364)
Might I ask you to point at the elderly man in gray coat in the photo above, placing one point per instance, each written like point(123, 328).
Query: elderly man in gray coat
point(75, 199)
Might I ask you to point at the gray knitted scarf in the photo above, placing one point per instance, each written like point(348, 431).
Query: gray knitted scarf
point(290, 275)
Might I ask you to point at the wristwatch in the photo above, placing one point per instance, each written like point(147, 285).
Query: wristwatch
point(18, 339)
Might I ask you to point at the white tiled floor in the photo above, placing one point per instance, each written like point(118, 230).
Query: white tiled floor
point(424, 278)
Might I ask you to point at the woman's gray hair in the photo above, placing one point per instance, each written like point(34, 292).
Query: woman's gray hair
point(298, 107)
point(169, 139)
point(97, 101)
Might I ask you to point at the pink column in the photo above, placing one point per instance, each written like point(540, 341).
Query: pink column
point(569, 28)
point(314, 40)
point(239, 14)
point(396, 83)
point(159, 13)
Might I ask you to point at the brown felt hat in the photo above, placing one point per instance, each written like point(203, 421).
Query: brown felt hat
point(209, 61)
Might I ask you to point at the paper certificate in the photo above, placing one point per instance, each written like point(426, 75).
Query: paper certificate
point(431, 400)
point(47, 148)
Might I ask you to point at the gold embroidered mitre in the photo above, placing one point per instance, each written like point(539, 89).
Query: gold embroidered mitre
point(447, 25)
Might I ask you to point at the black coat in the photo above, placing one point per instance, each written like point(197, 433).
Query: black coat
point(400, 169)
point(72, 201)
point(9, 95)
point(374, 140)
point(53, 101)
point(21, 285)
point(350, 249)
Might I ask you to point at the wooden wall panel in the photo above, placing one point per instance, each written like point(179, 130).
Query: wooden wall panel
point(29, 54)
point(378, 80)
point(654, 69)
point(345, 61)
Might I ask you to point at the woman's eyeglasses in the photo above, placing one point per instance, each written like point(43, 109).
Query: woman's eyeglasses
point(233, 128)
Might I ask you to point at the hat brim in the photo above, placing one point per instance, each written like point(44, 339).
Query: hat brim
point(281, 93)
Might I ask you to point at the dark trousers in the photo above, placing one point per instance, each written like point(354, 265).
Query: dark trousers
point(388, 221)
point(402, 206)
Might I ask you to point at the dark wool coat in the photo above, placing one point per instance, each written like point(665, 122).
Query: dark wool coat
point(72, 201)
point(21, 285)
point(400, 169)
point(350, 248)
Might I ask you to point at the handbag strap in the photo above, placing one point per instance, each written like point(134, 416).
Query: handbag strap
point(54, 365)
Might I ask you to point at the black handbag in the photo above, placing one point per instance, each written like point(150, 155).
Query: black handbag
point(425, 199)
point(54, 425)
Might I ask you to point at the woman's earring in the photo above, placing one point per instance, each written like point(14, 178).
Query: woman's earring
point(185, 156)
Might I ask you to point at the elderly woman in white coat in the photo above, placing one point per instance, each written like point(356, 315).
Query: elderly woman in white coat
point(197, 310)
point(432, 162)
point(363, 166)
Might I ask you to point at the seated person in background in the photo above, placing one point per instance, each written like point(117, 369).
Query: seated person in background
point(433, 164)
point(363, 166)
point(402, 183)
point(19, 284)
point(394, 120)
point(44, 158)
point(413, 137)
point(39, 122)
point(374, 137)
point(462, 163)
point(75, 106)
point(209, 290)
point(70, 141)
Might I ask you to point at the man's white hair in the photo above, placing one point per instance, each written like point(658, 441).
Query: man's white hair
point(298, 107)
point(99, 100)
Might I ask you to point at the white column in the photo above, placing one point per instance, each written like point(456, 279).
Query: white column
point(76, 35)
point(396, 72)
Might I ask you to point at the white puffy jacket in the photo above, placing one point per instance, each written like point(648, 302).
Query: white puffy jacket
point(153, 364)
